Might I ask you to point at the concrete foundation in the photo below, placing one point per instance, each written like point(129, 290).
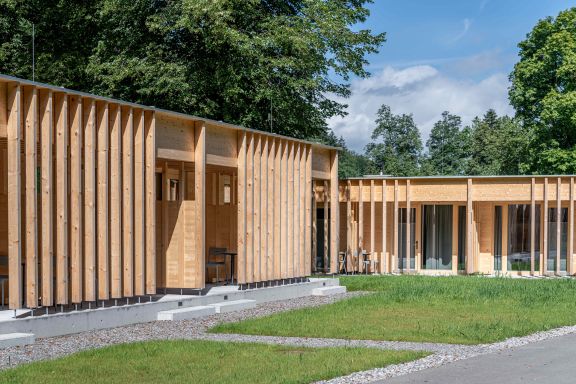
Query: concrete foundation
point(231, 306)
point(16, 339)
point(187, 313)
point(327, 291)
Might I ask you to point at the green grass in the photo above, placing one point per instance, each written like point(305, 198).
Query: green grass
point(458, 310)
point(201, 362)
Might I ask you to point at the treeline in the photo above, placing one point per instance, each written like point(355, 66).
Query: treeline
point(490, 145)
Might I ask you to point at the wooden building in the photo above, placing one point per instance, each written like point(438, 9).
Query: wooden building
point(448, 225)
point(103, 199)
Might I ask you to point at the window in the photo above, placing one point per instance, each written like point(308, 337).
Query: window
point(174, 189)
point(461, 238)
point(437, 237)
point(552, 239)
point(402, 220)
point(519, 237)
point(498, 238)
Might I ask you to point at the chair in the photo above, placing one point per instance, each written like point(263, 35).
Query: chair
point(213, 251)
point(342, 262)
point(366, 261)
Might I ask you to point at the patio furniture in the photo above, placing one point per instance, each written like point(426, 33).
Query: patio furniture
point(366, 261)
point(342, 261)
point(210, 263)
point(232, 255)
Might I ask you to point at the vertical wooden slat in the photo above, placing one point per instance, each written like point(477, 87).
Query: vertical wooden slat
point(469, 228)
point(570, 258)
point(302, 211)
point(532, 224)
point(349, 244)
point(242, 209)
point(115, 123)
point(200, 193)
point(103, 181)
point(394, 259)
point(290, 245)
point(76, 209)
point(558, 223)
point(150, 157)
point(90, 228)
point(360, 226)
point(127, 122)
point(335, 216)
point(249, 264)
point(257, 208)
point(384, 261)
point(47, 203)
point(284, 210)
point(31, 223)
point(270, 202)
point(14, 133)
point(326, 199)
point(505, 238)
point(277, 206)
point(544, 259)
point(314, 227)
point(296, 212)
point(372, 223)
point(140, 203)
point(408, 224)
point(308, 197)
point(62, 235)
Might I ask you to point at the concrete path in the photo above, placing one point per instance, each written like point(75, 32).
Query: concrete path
point(550, 361)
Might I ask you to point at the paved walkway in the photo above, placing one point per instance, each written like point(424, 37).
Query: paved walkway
point(550, 361)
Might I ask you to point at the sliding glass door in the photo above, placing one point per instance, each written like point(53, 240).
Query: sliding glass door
point(519, 236)
point(437, 237)
point(402, 219)
point(552, 239)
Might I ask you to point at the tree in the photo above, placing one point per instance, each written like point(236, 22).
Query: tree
point(446, 154)
point(543, 92)
point(496, 145)
point(350, 163)
point(397, 147)
point(234, 60)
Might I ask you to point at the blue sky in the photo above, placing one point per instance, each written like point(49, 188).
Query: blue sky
point(440, 55)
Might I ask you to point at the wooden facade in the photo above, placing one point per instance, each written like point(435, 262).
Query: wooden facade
point(102, 199)
point(497, 225)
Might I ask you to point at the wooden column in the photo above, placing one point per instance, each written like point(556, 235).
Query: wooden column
point(372, 222)
point(309, 197)
point(326, 199)
point(394, 258)
point(31, 214)
point(544, 263)
point(270, 203)
point(200, 193)
point(558, 223)
point(296, 210)
point(257, 209)
point(384, 261)
point(103, 218)
point(532, 224)
point(360, 225)
point(570, 256)
point(150, 169)
point(140, 202)
point(242, 170)
point(349, 244)
point(14, 134)
point(469, 230)
point(115, 126)
point(47, 181)
point(249, 265)
point(335, 216)
point(314, 227)
point(302, 211)
point(127, 119)
point(68, 239)
point(408, 224)
point(90, 228)
point(277, 208)
point(284, 211)
point(290, 247)
point(504, 238)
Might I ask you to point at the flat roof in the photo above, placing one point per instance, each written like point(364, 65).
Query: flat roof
point(388, 177)
point(186, 116)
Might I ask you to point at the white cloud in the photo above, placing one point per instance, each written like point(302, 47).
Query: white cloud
point(423, 91)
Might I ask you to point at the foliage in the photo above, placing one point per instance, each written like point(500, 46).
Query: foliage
point(446, 152)
point(350, 163)
point(202, 362)
point(458, 309)
point(543, 92)
point(232, 60)
point(396, 149)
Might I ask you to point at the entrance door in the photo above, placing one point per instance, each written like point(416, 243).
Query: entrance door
point(402, 220)
point(437, 237)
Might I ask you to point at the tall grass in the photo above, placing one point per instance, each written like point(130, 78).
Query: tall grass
point(465, 310)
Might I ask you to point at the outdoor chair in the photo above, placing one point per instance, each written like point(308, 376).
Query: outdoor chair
point(211, 263)
point(342, 260)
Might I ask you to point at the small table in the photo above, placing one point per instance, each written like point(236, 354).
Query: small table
point(364, 255)
point(344, 260)
point(232, 255)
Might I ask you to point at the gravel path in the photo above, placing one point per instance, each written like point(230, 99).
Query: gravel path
point(55, 347)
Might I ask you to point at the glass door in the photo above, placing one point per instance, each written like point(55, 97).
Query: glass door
point(552, 239)
point(402, 220)
point(437, 237)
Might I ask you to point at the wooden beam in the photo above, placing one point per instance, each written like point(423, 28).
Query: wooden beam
point(200, 193)
point(249, 262)
point(14, 135)
point(140, 203)
point(469, 227)
point(241, 244)
point(408, 224)
point(277, 208)
point(394, 259)
point(127, 122)
point(47, 199)
point(150, 156)
point(257, 209)
point(290, 247)
point(532, 224)
point(61, 113)
point(384, 261)
point(570, 258)
point(90, 228)
point(270, 202)
point(103, 218)
point(326, 199)
point(360, 226)
point(308, 213)
point(76, 210)
point(335, 216)
point(544, 263)
point(31, 221)
point(115, 123)
point(372, 222)
point(558, 223)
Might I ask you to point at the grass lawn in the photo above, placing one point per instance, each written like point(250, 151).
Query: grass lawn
point(465, 309)
point(204, 362)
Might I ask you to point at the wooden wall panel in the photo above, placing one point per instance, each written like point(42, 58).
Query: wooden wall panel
point(200, 194)
point(150, 154)
point(256, 212)
point(284, 210)
point(103, 218)
point(61, 114)
point(242, 207)
point(127, 123)
point(47, 203)
point(76, 212)
point(139, 203)
point(249, 265)
point(269, 209)
point(290, 228)
point(277, 207)
point(90, 229)
point(308, 212)
point(334, 235)
point(115, 125)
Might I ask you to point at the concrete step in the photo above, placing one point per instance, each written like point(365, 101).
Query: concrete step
point(16, 339)
point(186, 313)
point(326, 291)
point(235, 305)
